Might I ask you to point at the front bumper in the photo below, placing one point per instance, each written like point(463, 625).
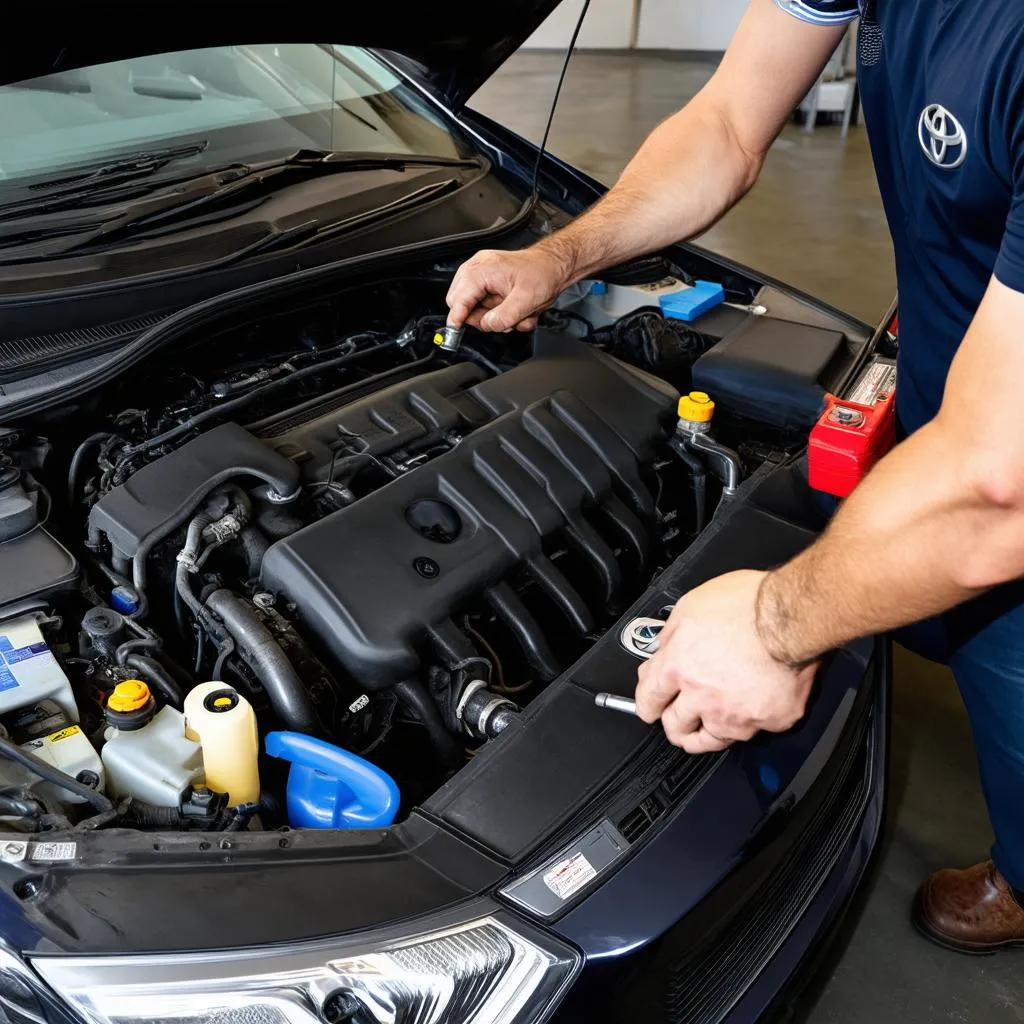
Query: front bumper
point(743, 951)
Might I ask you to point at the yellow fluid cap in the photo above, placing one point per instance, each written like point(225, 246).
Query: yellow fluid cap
point(130, 695)
point(439, 338)
point(696, 407)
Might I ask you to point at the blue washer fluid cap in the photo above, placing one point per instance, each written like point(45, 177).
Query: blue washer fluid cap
point(330, 788)
point(691, 303)
point(124, 600)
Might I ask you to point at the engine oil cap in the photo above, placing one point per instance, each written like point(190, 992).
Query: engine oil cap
point(130, 706)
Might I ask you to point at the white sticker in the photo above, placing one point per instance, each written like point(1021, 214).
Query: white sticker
point(54, 851)
point(569, 876)
point(875, 382)
point(13, 851)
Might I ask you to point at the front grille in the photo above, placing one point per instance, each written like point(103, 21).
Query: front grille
point(707, 986)
point(679, 782)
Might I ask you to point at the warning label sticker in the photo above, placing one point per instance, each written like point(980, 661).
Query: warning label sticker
point(63, 734)
point(877, 381)
point(23, 654)
point(54, 851)
point(569, 876)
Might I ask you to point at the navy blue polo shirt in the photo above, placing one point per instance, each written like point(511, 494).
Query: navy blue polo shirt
point(942, 87)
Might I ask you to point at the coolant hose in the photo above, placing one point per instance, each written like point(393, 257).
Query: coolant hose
point(75, 468)
point(152, 816)
point(263, 654)
point(254, 547)
point(417, 700)
point(51, 774)
point(151, 671)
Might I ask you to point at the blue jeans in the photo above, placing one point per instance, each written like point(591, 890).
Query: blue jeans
point(983, 643)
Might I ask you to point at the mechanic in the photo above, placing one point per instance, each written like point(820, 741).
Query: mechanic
point(936, 530)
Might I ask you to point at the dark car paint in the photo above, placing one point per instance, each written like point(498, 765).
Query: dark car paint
point(58, 914)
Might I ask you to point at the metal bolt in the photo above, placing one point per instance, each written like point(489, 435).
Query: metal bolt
point(427, 568)
point(12, 848)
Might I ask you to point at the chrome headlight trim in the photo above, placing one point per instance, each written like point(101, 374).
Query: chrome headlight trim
point(478, 966)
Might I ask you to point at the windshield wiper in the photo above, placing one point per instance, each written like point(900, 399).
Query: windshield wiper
point(70, 227)
point(102, 175)
point(120, 180)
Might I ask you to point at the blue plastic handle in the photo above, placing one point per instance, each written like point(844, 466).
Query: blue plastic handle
point(330, 788)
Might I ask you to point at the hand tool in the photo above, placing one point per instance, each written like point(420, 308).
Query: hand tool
point(614, 703)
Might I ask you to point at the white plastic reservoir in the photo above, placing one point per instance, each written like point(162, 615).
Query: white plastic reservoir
point(156, 763)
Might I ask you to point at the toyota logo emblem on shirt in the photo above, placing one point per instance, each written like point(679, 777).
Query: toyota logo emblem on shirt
point(942, 137)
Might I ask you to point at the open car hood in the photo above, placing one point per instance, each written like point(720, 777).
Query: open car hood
point(456, 45)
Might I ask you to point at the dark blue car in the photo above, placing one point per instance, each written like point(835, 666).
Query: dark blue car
point(305, 604)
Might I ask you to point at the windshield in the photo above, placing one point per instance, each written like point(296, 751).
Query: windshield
point(240, 103)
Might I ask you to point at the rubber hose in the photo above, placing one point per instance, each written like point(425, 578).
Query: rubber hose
point(254, 547)
point(151, 671)
point(79, 457)
point(55, 775)
point(13, 807)
point(417, 700)
point(151, 816)
point(263, 654)
point(142, 643)
point(188, 553)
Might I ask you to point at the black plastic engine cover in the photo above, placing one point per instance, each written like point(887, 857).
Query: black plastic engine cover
point(566, 429)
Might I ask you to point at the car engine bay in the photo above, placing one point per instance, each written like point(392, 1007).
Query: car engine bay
point(297, 570)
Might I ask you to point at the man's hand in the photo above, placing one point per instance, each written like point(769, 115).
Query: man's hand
point(712, 681)
point(504, 291)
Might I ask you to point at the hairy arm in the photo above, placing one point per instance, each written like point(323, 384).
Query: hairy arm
point(939, 520)
point(701, 161)
point(692, 168)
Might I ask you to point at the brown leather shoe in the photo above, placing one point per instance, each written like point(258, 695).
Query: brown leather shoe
point(970, 911)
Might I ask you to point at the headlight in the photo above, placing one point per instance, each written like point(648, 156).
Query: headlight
point(488, 970)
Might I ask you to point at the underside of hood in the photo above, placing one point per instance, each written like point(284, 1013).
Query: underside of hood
point(457, 44)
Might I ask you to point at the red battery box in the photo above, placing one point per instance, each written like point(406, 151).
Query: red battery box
point(853, 433)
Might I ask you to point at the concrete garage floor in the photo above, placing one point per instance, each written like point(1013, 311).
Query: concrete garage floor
point(815, 220)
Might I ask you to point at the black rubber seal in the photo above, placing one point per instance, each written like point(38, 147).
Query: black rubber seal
point(210, 701)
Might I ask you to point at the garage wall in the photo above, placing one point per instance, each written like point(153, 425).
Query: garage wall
point(663, 24)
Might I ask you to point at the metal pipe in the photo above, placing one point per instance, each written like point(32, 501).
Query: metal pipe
point(724, 462)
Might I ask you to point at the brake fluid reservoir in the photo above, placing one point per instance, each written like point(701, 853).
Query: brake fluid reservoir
point(147, 754)
point(29, 673)
point(225, 724)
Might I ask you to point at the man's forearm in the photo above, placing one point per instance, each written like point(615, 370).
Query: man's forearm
point(920, 535)
point(689, 172)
